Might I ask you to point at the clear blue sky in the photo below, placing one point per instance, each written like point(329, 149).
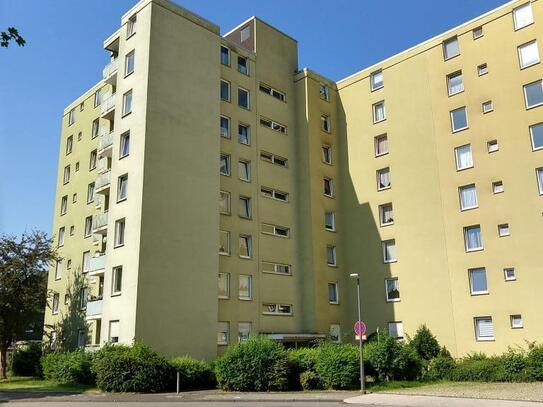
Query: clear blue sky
point(63, 58)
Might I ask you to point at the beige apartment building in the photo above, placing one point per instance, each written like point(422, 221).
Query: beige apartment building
point(209, 189)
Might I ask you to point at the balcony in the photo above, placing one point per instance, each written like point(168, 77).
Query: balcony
point(94, 309)
point(99, 223)
point(97, 264)
point(99, 201)
point(101, 186)
point(102, 166)
point(104, 144)
point(109, 72)
point(108, 106)
point(97, 239)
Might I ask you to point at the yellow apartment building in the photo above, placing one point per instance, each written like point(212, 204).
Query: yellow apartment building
point(209, 189)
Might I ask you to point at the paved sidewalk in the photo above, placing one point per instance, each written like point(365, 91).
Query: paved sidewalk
point(401, 400)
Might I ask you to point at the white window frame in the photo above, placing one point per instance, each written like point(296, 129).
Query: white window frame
point(88, 226)
point(373, 84)
point(376, 144)
point(223, 331)
point(273, 125)
point(249, 287)
point(478, 32)
point(327, 153)
point(539, 175)
point(465, 187)
point(58, 269)
point(61, 233)
point(274, 229)
point(395, 329)
point(127, 107)
point(520, 322)
point(482, 69)
point(248, 107)
point(228, 164)
point(382, 208)
point(517, 24)
point(385, 244)
point(497, 187)
point(229, 91)
point(228, 243)
point(227, 55)
point(378, 174)
point(228, 202)
point(387, 298)
point(130, 55)
point(131, 26)
point(268, 90)
point(456, 156)
point(244, 334)
point(473, 249)
point(246, 166)
point(63, 205)
point(471, 284)
point(456, 130)
point(492, 146)
point(531, 130)
point(124, 142)
point(540, 82)
point(330, 226)
point(116, 279)
point(120, 233)
point(277, 306)
point(326, 123)
point(333, 251)
point(504, 230)
point(478, 337)
point(451, 76)
point(449, 41)
point(227, 279)
point(272, 159)
point(227, 133)
point(335, 333)
point(248, 128)
point(249, 244)
point(324, 92)
point(276, 267)
point(335, 286)
point(506, 276)
point(330, 182)
point(374, 111)
point(56, 304)
point(120, 180)
point(488, 106)
point(117, 325)
point(520, 48)
point(272, 193)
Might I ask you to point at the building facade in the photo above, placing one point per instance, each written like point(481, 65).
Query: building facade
point(423, 174)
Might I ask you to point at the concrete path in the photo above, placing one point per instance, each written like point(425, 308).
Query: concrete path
point(400, 400)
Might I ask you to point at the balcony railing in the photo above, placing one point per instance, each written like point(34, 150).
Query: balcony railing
point(94, 309)
point(97, 263)
point(97, 239)
point(101, 166)
point(108, 103)
point(102, 181)
point(110, 68)
point(99, 221)
point(106, 140)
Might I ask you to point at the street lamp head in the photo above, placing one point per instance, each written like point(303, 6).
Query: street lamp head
point(354, 275)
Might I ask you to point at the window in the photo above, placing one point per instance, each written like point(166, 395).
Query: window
point(224, 285)
point(503, 230)
point(61, 236)
point(463, 156)
point(273, 125)
point(69, 144)
point(395, 329)
point(245, 34)
point(71, 117)
point(274, 194)
point(528, 54)
point(114, 330)
point(86, 261)
point(120, 226)
point(328, 187)
point(224, 243)
point(95, 128)
point(335, 333)
point(66, 177)
point(468, 197)
point(522, 16)
point(324, 92)
point(381, 145)
point(117, 280)
point(392, 290)
point(90, 193)
point(56, 303)
point(331, 257)
point(533, 94)
point(64, 205)
point(224, 202)
point(536, 134)
point(74, 198)
point(131, 26)
point(333, 297)
point(326, 124)
point(224, 167)
point(83, 297)
point(122, 187)
point(492, 146)
point(277, 268)
point(377, 80)
point(243, 98)
point(389, 251)
point(127, 103)
point(482, 69)
point(383, 179)
point(245, 289)
point(272, 92)
point(225, 91)
point(497, 187)
point(379, 113)
point(280, 231)
point(330, 221)
point(225, 56)
point(509, 274)
point(274, 159)
point(88, 226)
point(539, 173)
point(244, 170)
point(243, 65)
point(245, 207)
point(477, 281)
point(455, 83)
point(244, 331)
point(488, 106)
point(81, 338)
point(472, 238)
point(97, 98)
point(58, 269)
point(93, 159)
point(451, 48)
point(129, 63)
point(477, 33)
point(277, 309)
point(386, 214)
point(516, 322)
point(484, 329)
point(124, 148)
point(224, 126)
point(244, 134)
point(72, 230)
point(326, 154)
point(79, 136)
point(459, 119)
point(223, 333)
point(77, 166)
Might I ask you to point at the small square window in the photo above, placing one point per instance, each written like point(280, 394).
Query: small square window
point(482, 69)
point(478, 32)
point(377, 80)
point(381, 145)
point(509, 274)
point(492, 146)
point(379, 112)
point(451, 48)
point(497, 187)
point(516, 322)
point(503, 230)
point(488, 106)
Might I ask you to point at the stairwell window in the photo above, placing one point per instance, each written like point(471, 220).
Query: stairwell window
point(66, 177)
point(528, 54)
point(61, 236)
point(88, 227)
point(71, 117)
point(326, 124)
point(63, 205)
point(468, 197)
point(131, 26)
point(97, 98)
point(69, 144)
point(58, 269)
point(389, 251)
point(129, 61)
point(85, 263)
point(451, 48)
point(477, 281)
point(377, 80)
point(243, 98)
point(484, 329)
point(245, 246)
point(225, 91)
point(533, 94)
point(122, 188)
point(333, 295)
point(381, 145)
point(523, 16)
point(328, 187)
point(224, 165)
point(392, 290)
point(224, 126)
point(455, 83)
point(124, 148)
point(383, 179)
point(464, 158)
point(117, 280)
point(225, 55)
point(90, 192)
point(386, 214)
point(459, 119)
point(271, 124)
point(245, 207)
point(243, 65)
point(244, 170)
point(274, 159)
point(275, 230)
point(274, 194)
point(224, 243)
point(379, 112)
point(224, 286)
point(244, 134)
point(324, 92)
point(276, 268)
point(224, 203)
point(331, 255)
point(330, 221)
point(473, 239)
point(56, 303)
point(326, 154)
point(95, 128)
point(127, 103)
point(120, 226)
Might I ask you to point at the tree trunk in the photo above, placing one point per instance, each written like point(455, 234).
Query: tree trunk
point(3, 362)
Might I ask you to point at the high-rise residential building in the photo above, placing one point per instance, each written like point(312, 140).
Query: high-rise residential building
point(210, 189)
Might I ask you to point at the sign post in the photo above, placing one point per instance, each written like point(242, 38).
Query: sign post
point(360, 330)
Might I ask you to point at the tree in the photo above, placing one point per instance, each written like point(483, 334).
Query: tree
point(11, 34)
point(24, 262)
point(425, 343)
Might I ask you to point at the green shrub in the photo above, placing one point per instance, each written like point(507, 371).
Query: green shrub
point(534, 362)
point(380, 356)
point(193, 374)
point(478, 368)
point(513, 367)
point(338, 366)
point(68, 367)
point(408, 365)
point(258, 364)
point(135, 368)
point(301, 360)
point(440, 368)
point(309, 380)
point(26, 361)
point(425, 343)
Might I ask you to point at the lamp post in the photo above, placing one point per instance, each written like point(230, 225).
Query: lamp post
point(357, 277)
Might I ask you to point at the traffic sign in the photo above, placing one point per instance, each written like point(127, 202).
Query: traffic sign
point(359, 328)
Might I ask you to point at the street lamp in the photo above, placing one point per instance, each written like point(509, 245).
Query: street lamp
point(355, 275)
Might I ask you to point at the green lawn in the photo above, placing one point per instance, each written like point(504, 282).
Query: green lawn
point(35, 384)
point(395, 385)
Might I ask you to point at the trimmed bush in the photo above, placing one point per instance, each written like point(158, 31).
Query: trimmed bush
point(338, 366)
point(380, 355)
point(477, 368)
point(26, 361)
point(301, 360)
point(440, 368)
point(408, 365)
point(534, 362)
point(68, 367)
point(513, 367)
point(309, 380)
point(258, 364)
point(135, 368)
point(193, 374)
point(425, 343)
